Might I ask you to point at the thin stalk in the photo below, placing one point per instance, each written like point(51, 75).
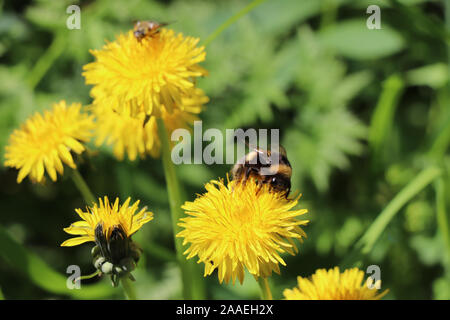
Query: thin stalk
point(447, 27)
point(383, 116)
point(232, 20)
point(44, 63)
point(89, 276)
point(423, 179)
point(83, 187)
point(128, 287)
point(365, 245)
point(193, 287)
point(160, 252)
point(266, 294)
point(329, 13)
point(442, 218)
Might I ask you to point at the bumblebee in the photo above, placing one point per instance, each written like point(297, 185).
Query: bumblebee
point(257, 164)
point(144, 29)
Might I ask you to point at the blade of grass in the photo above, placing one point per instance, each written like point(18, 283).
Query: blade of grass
point(442, 217)
point(232, 20)
point(366, 243)
point(159, 252)
point(423, 179)
point(44, 63)
point(42, 275)
point(83, 187)
point(441, 143)
point(383, 116)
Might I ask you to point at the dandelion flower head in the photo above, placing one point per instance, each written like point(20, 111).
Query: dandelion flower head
point(333, 285)
point(234, 227)
point(45, 142)
point(108, 216)
point(136, 81)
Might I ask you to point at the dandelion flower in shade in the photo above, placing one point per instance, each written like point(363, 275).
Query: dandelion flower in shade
point(235, 227)
point(333, 285)
point(110, 226)
point(134, 133)
point(45, 142)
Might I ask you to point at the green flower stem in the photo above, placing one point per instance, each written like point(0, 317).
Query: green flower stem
point(193, 286)
point(266, 294)
point(232, 20)
point(47, 59)
point(128, 287)
point(89, 276)
point(442, 217)
point(447, 27)
point(83, 187)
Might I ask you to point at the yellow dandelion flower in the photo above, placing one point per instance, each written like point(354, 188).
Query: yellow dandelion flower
point(133, 132)
point(107, 218)
point(45, 142)
point(333, 285)
point(135, 81)
point(234, 227)
point(156, 72)
point(110, 226)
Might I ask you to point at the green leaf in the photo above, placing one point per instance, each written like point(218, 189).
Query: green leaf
point(433, 75)
point(422, 180)
point(354, 40)
point(41, 274)
point(367, 242)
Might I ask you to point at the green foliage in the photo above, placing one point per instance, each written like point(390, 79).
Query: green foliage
point(363, 115)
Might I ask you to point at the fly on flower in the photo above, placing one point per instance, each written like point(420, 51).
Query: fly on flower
point(137, 82)
point(146, 29)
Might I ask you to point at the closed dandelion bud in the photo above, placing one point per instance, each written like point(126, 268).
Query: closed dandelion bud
point(126, 264)
point(98, 263)
point(107, 267)
point(135, 252)
point(111, 226)
point(95, 251)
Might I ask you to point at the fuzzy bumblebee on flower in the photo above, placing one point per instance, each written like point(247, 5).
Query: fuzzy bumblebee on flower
point(235, 226)
point(110, 226)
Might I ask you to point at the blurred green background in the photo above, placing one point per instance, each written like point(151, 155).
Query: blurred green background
point(361, 113)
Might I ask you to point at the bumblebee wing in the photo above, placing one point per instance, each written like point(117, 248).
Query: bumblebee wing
point(282, 151)
point(163, 24)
